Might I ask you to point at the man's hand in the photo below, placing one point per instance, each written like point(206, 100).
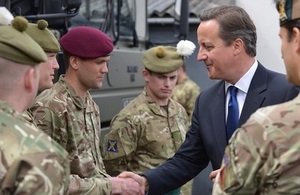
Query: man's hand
point(140, 179)
point(213, 174)
point(126, 186)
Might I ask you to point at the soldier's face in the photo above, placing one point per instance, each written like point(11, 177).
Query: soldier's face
point(91, 72)
point(160, 86)
point(47, 70)
point(290, 47)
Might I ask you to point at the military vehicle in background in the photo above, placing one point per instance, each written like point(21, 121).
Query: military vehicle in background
point(125, 21)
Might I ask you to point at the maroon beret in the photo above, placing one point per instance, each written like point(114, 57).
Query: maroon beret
point(86, 42)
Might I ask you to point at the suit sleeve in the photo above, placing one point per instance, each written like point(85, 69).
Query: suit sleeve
point(188, 161)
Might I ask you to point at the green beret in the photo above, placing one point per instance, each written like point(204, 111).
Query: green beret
point(288, 10)
point(18, 46)
point(43, 36)
point(162, 59)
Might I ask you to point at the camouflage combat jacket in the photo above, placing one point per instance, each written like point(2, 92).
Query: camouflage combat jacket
point(74, 124)
point(30, 161)
point(263, 156)
point(143, 135)
point(186, 92)
point(29, 118)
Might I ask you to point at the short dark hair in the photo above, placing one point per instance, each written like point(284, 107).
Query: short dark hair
point(289, 26)
point(66, 59)
point(234, 23)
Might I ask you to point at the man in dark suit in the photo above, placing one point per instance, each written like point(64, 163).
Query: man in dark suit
point(227, 40)
point(262, 156)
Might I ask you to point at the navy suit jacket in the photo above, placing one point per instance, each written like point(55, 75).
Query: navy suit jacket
point(206, 138)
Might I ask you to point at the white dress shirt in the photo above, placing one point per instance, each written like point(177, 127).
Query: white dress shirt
point(243, 85)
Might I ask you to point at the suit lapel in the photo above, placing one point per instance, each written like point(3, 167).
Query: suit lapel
point(253, 101)
point(254, 97)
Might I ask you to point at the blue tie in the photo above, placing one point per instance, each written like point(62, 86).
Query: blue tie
point(233, 112)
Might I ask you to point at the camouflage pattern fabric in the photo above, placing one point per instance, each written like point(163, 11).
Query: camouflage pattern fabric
point(143, 135)
point(263, 156)
point(74, 124)
point(186, 92)
point(30, 161)
point(29, 118)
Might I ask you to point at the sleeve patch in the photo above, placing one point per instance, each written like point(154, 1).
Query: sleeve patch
point(112, 146)
point(225, 160)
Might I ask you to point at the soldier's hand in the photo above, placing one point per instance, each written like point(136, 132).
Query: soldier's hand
point(213, 174)
point(140, 179)
point(125, 186)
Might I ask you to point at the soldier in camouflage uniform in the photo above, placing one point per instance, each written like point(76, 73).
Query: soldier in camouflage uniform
point(45, 38)
point(263, 155)
point(185, 92)
point(68, 113)
point(30, 162)
point(151, 127)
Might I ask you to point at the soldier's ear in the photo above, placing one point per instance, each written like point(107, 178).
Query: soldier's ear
point(31, 79)
point(296, 38)
point(74, 62)
point(146, 75)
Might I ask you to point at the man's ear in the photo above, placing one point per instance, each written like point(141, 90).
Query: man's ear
point(238, 46)
point(74, 62)
point(146, 75)
point(30, 79)
point(296, 39)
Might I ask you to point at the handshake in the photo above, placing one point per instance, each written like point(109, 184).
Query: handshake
point(129, 183)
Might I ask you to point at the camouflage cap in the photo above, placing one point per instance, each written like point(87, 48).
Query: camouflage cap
point(18, 46)
point(43, 36)
point(162, 59)
point(288, 10)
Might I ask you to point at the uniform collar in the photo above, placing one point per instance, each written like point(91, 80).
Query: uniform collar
point(78, 101)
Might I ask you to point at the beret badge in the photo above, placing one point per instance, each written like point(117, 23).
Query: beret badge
point(281, 10)
point(288, 10)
